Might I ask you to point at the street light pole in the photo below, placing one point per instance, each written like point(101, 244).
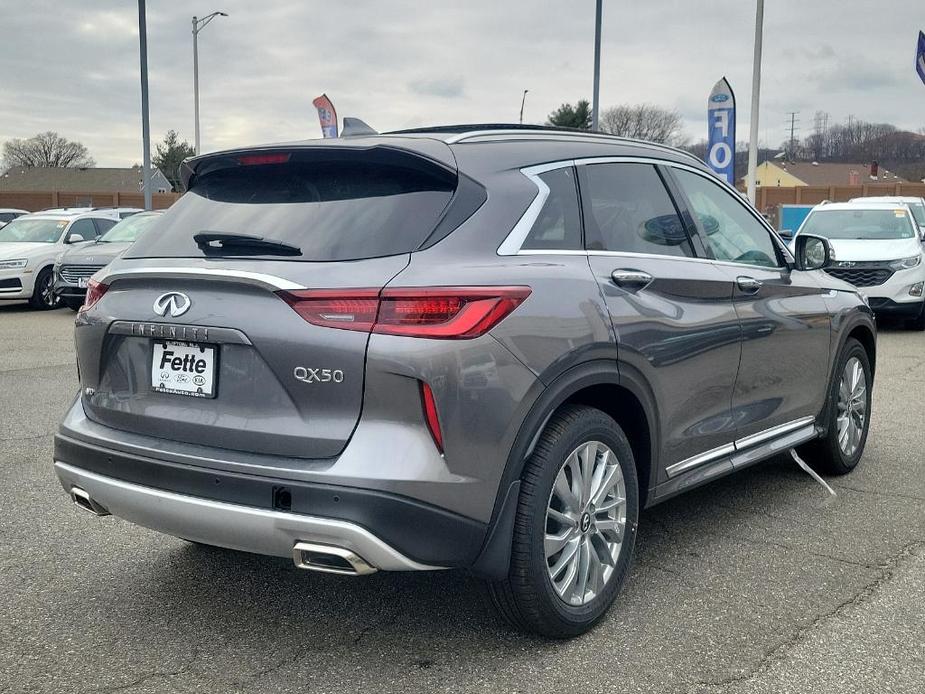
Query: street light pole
point(199, 25)
point(145, 124)
point(756, 89)
point(522, 102)
point(595, 107)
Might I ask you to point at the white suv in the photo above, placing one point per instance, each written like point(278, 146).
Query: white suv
point(876, 246)
point(915, 205)
point(30, 244)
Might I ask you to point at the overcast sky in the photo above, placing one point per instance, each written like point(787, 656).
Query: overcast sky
point(72, 65)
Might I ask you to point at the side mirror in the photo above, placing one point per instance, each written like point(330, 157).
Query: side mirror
point(75, 238)
point(811, 252)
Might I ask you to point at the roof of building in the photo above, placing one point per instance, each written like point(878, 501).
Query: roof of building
point(73, 180)
point(834, 174)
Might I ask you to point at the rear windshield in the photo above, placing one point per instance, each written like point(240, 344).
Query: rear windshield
point(361, 205)
point(859, 224)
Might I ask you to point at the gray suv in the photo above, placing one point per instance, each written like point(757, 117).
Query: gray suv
point(459, 347)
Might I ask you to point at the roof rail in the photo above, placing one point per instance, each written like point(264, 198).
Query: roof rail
point(461, 133)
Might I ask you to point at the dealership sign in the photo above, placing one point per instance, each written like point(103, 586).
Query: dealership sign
point(920, 56)
point(721, 122)
point(327, 116)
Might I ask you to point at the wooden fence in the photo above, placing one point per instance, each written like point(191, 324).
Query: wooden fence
point(37, 200)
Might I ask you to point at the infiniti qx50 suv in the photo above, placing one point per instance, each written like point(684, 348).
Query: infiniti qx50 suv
point(485, 348)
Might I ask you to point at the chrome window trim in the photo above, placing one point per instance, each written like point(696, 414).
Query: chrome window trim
point(744, 443)
point(510, 246)
point(224, 274)
point(515, 239)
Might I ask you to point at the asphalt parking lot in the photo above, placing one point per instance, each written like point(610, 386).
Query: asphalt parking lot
point(758, 583)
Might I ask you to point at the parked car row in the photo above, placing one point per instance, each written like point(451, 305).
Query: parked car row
point(877, 246)
point(33, 244)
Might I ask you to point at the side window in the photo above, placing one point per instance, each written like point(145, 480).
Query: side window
point(558, 226)
point(628, 209)
point(83, 228)
point(6, 217)
point(103, 225)
point(731, 230)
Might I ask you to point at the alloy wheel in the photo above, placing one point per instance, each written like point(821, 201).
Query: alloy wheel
point(585, 523)
point(852, 407)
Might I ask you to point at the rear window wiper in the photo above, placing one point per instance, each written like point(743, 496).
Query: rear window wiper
point(242, 244)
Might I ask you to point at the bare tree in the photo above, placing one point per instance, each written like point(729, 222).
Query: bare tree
point(644, 122)
point(46, 149)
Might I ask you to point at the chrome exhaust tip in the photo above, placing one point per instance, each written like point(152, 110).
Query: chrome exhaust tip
point(82, 500)
point(330, 559)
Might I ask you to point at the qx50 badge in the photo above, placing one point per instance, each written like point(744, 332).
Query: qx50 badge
point(307, 375)
point(173, 303)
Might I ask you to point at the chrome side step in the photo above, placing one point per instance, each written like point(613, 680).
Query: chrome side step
point(330, 559)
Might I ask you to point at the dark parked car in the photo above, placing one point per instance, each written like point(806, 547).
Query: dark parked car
point(76, 266)
point(468, 347)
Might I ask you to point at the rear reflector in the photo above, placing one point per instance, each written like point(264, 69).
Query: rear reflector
point(430, 415)
point(95, 291)
point(448, 313)
point(258, 159)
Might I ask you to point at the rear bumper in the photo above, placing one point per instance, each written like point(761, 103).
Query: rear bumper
point(230, 525)
point(244, 512)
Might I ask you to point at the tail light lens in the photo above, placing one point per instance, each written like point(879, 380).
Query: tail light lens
point(95, 291)
point(430, 415)
point(448, 313)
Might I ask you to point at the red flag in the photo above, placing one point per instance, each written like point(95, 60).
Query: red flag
point(326, 115)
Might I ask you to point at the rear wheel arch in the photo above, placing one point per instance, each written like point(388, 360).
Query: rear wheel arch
point(621, 393)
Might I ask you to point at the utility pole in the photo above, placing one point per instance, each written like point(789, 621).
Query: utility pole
point(756, 90)
point(595, 105)
point(522, 102)
point(145, 124)
point(793, 145)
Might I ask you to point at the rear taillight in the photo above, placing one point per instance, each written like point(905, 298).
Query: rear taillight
point(449, 313)
point(95, 291)
point(262, 159)
point(430, 415)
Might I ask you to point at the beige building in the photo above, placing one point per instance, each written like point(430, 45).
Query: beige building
point(786, 174)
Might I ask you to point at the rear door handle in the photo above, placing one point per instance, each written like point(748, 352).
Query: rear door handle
point(748, 284)
point(631, 280)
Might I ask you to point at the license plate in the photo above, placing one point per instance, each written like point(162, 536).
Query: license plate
point(83, 282)
point(184, 368)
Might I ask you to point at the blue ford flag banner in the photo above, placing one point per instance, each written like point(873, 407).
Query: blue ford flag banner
point(721, 122)
point(920, 57)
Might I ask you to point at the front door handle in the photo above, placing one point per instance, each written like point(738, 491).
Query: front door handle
point(631, 280)
point(749, 285)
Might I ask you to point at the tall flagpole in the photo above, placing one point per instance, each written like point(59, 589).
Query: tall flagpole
point(756, 89)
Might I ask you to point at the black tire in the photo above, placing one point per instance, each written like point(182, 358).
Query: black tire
point(73, 304)
point(527, 598)
point(43, 296)
point(919, 322)
point(825, 455)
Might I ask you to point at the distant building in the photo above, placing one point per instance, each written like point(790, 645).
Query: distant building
point(805, 173)
point(89, 180)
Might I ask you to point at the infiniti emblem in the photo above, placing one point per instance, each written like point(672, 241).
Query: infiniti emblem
point(174, 303)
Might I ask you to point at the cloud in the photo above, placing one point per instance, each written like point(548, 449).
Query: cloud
point(403, 63)
point(449, 87)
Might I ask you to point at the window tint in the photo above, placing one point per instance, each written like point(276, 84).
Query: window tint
point(558, 226)
point(7, 216)
point(360, 205)
point(104, 225)
point(732, 232)
point(628, 209)
point(83, 228)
